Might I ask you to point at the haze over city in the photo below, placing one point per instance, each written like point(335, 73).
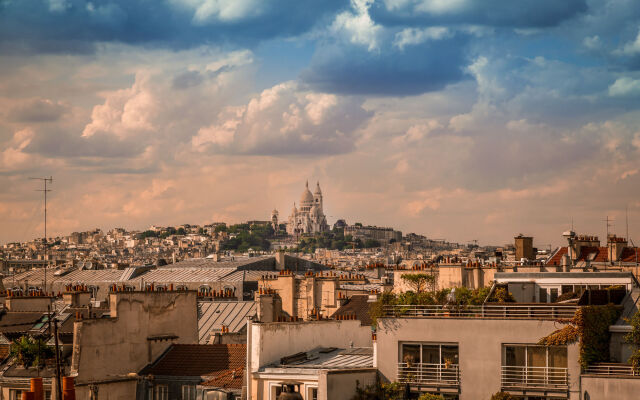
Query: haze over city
point(459, 120)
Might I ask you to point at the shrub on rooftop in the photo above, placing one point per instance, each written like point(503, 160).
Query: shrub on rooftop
point(429, 396)
point(633, 338)
point(502, 396)
point(589, 326)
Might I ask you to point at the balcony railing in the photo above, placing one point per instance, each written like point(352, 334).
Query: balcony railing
point(496, 311)
point(612, 369)
point(548, 378)
point(429, 374)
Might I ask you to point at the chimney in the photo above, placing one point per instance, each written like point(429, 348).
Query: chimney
point(36, 388)
point(615, 246)
point(269, 305)
point(524, 247)
point(68, 389)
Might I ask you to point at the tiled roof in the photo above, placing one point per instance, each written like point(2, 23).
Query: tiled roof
point(630, 254)
point(197, 360)
point(359, 305)
point(232, 314)
point(5, 349)
point(596, 255)
point(228, 379)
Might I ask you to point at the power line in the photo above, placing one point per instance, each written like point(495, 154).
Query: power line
point(45, 180)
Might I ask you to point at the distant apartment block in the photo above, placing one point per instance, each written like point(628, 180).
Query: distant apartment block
point(383, 235)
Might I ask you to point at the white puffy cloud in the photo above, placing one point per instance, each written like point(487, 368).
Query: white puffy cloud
point(285, 119)
point(632, 47)
point(357, 25)
point(14, 157)
point(126, 111)
point(222, 10)
point(413, 36)
point(625, 86)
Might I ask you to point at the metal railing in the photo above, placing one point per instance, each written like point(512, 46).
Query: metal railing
point(548, 378)
point(429, 374)
point(612, 369)
point(499, 311)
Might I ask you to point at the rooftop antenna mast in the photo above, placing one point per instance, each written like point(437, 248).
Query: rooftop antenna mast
point(609, 221)
point(45, 181)
point(626, 217)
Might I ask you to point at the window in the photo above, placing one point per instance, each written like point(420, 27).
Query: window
point(15, 394)
point(536, 366)
point(312, 393)
point(429, 363)
point(429, 353)
point(188, 392)
point(162, 392)
point(543, 295)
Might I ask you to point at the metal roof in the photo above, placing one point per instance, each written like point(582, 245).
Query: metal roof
point(232, 314)
point(184, 275)
point(332, 358)
point(237, 262)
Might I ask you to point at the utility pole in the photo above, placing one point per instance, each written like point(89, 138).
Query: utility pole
point(45, 180)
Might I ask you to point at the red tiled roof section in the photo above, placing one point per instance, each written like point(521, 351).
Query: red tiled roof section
point(5, 349)
point(359, 305)
point(229, 379)
point(630, 254)
point(557, 257)
point(587, 254)
point(197, 360)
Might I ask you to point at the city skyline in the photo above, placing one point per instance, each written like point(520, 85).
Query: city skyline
point(459, 120)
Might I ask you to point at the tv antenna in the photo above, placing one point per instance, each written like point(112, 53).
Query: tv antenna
point(609, 224)
point(45, 190)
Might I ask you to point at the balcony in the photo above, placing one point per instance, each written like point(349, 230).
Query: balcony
point(429, 375)
point(535, 378)
point(489, 311)
point(612, 369)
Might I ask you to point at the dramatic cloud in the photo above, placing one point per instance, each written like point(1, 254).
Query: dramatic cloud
point(524, 13)
point(75, 25)
point(285, 120)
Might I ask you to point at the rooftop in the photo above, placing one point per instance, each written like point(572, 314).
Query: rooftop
point(327, 358)
point(197, 360)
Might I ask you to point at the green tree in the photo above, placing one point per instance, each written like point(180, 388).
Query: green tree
point(419, 282)
point(429, 396)
point(502, 396)
point(371, 243)
point(30, 352)
point(633, 338)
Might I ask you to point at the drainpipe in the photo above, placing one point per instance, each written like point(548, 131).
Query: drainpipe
point(248, 367)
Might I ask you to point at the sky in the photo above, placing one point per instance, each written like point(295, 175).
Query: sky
point(457, 119)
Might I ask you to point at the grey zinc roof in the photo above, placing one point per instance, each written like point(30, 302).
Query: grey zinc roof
point(237, 262)
point(184, 275)
point(232, 314)
point(332, 358)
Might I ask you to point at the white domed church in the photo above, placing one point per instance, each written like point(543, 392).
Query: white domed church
point(309, 218)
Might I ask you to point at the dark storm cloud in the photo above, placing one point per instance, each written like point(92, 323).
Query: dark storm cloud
point(350, 69)
point(522, 13)
point(37, 110)
point(57, 143)
point(72, 26)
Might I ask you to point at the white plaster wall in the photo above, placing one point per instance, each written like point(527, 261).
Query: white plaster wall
point(272, 341)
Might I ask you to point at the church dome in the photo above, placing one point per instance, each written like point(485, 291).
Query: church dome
point(307, 197)
point(318, 191)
